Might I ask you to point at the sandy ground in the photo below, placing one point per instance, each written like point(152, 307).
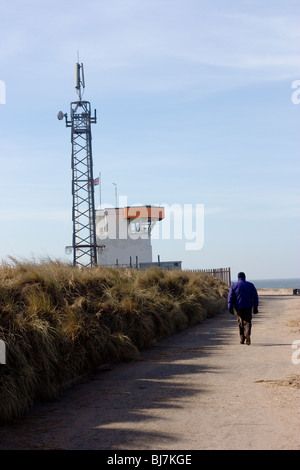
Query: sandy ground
point(199, 389)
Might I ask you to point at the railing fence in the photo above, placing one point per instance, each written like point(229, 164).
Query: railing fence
point(224, 274)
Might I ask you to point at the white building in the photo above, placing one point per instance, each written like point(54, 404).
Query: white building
point(125, 234)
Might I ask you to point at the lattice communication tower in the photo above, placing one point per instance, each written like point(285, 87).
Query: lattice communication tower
point(83, 211)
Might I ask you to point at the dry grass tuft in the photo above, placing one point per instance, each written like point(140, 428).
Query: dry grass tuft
point(60, 323)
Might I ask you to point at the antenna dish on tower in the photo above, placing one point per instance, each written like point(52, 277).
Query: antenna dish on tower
point(60, 115)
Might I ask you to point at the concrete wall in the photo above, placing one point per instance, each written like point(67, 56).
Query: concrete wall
point(122, 238)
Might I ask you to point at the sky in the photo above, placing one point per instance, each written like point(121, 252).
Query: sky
point(197, 108)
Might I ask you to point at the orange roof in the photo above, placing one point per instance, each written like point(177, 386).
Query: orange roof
point(147, 212)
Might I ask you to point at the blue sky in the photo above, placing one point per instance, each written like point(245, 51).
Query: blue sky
point(194, 106)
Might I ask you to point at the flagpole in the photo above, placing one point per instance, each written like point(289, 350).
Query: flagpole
point(100, 187)
point(116, 197)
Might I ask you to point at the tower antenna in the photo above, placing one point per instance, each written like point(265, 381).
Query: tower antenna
point(83, 208)
point(79, 79)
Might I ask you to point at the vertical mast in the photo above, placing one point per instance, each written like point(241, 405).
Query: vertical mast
point(83, 210)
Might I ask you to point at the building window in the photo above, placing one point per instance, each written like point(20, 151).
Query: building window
point(138, 226)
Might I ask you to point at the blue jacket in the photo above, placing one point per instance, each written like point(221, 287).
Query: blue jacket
point(242, 294)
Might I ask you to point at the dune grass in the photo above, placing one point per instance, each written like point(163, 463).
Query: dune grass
point(60, 323)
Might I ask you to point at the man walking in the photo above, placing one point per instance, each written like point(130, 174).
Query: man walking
point(243, 298)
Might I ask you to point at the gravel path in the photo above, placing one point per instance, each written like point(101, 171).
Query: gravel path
point(199, 389)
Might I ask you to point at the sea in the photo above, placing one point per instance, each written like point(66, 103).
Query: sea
point(288, 283)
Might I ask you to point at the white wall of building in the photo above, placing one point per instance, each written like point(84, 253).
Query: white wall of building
point(124, 239)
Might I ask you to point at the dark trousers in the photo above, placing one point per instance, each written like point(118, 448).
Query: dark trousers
point(244, 317)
